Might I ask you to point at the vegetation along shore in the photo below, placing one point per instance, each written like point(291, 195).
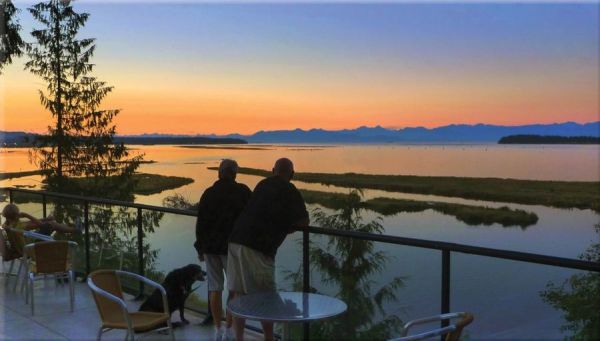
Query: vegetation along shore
point(469, 214)
point(561, 194)
point(144, 183)
point(549, 139)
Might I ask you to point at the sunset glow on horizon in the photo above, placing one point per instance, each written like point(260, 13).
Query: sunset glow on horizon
point(227, 68)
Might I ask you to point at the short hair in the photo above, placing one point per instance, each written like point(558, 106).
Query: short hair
point(11, 211)
point(228, 169)
point(283, 166)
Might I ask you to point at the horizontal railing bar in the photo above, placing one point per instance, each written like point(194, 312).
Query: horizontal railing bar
point(474, 250)
point(93, 200)
point(422, 243)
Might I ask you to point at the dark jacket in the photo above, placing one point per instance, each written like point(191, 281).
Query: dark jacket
point(219, 207)
point(269, 216)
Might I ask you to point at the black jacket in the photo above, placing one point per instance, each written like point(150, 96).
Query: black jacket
point(269, 216)
point(219, 207)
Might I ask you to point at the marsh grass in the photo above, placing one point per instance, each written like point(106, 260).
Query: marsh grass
point(469, 214)
point(561, 194)
point(144, 184)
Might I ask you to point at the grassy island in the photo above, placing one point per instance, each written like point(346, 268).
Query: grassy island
point(562, 194)
point(226, 147)
point(469, 214)
point(12, 175)
point(144, 184)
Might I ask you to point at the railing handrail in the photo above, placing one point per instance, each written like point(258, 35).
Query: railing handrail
point(94, 200)
point(463, 248)
point(415, 242)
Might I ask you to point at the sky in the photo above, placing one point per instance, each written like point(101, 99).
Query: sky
point(199, 68)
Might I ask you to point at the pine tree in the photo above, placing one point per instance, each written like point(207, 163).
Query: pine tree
point(11, 44)
point(81, 140)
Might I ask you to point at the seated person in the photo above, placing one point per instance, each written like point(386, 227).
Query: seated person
point(44, 226)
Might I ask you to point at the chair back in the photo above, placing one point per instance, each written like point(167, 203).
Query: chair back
point(15, 244)
point(50, 256)
point(107, 281)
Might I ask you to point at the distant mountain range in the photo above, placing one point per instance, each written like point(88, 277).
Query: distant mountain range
point(378, 134)
point(450, 133)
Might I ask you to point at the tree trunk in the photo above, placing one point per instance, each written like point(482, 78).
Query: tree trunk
point(58, 99)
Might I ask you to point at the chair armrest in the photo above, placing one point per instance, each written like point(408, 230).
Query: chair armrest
point(430, 333)
point(427, 334)
point(141, 279)
point(432, 319)
point(151, 283)
point(31, 234)
point(38, 236)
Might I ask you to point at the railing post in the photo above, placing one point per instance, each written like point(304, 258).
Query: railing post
point(445, 285)
point(140, 248)
point(10, 196)
point(44, 214)
point(305, 274)
point(86, 225)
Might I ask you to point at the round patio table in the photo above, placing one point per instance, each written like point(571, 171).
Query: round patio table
point(286, 307)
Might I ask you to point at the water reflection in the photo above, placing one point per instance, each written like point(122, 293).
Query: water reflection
point(348, 266)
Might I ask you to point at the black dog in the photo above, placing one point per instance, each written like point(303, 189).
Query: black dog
point(178, 285)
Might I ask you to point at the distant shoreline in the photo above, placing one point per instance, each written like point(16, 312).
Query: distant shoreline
point(28, 140)
point(548, 139)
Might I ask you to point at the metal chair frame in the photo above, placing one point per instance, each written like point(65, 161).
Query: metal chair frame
point(131, 335)
point(431, 333)
point(32, 277)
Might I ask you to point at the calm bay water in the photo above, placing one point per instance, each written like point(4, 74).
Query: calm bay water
point(503, 294)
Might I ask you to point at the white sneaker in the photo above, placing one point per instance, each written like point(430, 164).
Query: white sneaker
point(220, 334)
point(229, 334)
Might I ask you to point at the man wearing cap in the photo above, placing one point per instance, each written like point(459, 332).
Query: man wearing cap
point(276, 209)
point(219, 207)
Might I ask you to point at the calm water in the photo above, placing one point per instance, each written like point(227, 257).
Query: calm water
point(503, 294)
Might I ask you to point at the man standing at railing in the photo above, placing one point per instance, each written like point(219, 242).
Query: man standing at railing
point(275, 210)
point(218, 210)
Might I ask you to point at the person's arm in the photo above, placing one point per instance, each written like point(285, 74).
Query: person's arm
point(201, 225)
point(299, 214)
point(33, 221)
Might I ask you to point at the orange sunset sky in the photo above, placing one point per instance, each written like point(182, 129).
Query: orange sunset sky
point(200, 68)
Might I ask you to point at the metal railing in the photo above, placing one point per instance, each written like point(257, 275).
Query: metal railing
point(446, 248)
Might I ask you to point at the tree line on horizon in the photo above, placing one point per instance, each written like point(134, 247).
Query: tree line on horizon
point(548, 139)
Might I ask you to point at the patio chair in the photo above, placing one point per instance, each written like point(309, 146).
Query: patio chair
point(108, 295)
point(53, 258)
point(16, 240)
point(452, 331)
